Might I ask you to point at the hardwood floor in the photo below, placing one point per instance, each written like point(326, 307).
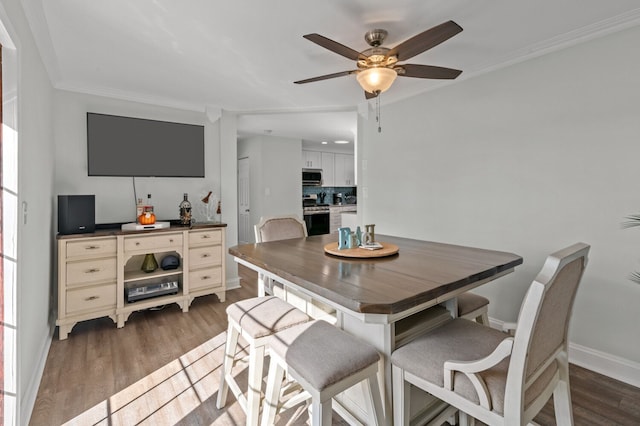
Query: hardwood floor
point(162, 368)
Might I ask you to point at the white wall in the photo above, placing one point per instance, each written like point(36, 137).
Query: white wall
point(275, 176)
point(35, 188)
point(115, 201)
point(527, 159)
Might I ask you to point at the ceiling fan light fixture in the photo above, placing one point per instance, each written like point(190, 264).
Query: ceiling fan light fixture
point(378, 80)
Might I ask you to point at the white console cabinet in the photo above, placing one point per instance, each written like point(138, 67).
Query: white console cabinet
point(94, 271)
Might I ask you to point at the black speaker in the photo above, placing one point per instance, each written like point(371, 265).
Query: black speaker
point(76, 214)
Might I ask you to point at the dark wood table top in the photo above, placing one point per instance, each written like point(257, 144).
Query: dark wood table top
point(422, 271)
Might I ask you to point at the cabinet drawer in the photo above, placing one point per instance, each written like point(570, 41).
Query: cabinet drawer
point(91, 271)
point(209, 277)
point(91, 298)
point(94, 247)
point(205, 256)
point(153, 242)
point(209, 237)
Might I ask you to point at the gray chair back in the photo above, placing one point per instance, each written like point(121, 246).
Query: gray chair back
point(279, 228)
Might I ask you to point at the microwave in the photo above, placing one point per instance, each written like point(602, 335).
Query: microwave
point(311, 177)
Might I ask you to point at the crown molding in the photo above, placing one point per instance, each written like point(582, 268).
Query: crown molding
point(132, 97)
point(569, 39)
point(589, 32)
point(561, 42)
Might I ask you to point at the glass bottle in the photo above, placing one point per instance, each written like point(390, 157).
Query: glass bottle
point(139, 209)
point(149, 206)
point(185, 211)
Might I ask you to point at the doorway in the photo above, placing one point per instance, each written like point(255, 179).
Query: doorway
point(244, 205)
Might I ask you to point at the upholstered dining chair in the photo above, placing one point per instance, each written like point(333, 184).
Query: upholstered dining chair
point(285, 227)
point(490, 376)
point(276, 228)
point(473, 307)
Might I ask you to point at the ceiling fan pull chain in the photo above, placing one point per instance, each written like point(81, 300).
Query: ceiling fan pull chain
point(378, 113)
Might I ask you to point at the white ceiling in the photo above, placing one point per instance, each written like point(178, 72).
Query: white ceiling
point(244, 55)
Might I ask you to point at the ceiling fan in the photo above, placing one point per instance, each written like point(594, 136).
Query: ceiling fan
point(379, 66)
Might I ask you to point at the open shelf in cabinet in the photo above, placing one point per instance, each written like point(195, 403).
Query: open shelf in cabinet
point(133, 271)
point(133, 277)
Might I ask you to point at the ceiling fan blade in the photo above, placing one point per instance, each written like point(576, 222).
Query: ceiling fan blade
point(369, 95)
point(333, 46)
point(428, 71)
point(325, 77)
point(425, 40)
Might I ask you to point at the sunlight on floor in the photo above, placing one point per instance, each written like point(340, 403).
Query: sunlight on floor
point(169, 395)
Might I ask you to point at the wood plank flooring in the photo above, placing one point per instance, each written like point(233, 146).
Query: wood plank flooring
point(162, 368)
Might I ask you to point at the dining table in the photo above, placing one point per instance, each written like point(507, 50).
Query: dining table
point(385, 300)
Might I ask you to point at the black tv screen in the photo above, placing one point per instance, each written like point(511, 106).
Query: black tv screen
point(125, 146)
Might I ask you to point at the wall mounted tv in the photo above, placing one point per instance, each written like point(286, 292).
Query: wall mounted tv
point(125, 146)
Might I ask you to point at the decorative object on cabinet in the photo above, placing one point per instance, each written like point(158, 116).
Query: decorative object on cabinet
point(219, 212)
point(95, 271)
point(207, 207)
point(149, 264)
point(76, 214)
point(170, 262)
point(185, 210)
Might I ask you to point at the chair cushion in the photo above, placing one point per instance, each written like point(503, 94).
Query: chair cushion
point(469, 302)
point(321, 353)
point(263, 316)
point(462, 340)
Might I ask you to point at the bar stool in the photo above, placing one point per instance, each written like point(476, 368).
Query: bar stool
point(324, 361)
point(473, 307)
point(254, 319)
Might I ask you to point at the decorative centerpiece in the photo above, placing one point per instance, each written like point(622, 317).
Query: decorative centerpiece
point(358, 245)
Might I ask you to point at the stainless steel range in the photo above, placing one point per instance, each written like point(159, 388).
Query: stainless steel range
point(316, 216)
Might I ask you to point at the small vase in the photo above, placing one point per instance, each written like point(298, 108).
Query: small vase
point(149, 264)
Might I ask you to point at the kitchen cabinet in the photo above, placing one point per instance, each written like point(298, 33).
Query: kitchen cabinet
point(328, 169)
point(311, 159)
point(344, 170)
point(335, 215)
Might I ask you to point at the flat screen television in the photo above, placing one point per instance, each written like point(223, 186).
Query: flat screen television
point(125, 146)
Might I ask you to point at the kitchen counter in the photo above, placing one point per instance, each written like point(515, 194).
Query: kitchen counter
point(336, 211)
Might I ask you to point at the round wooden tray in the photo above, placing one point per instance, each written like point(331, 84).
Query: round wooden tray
point(387, 249)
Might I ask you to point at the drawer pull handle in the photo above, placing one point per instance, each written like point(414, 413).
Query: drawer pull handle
point(92, 298)
point(206, 255)
point(137, 243)
point(171, 240)
point(206, 277)
point(205, 236)
point(92, 247)
point(93, 270)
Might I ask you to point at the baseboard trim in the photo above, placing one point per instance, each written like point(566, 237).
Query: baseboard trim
point(233, 283)
point(28, 400)
point(618, 368)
